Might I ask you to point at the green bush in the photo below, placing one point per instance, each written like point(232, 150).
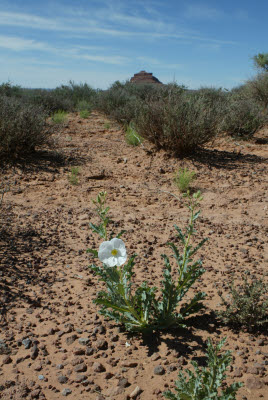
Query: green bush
point(59, 117)
point(73, 176)
point(206, 382)
point(22, 127)
point(84, 114)
point(84, 105)
point(247, 305)
point(179, 122)
point(183, 179)
point(132, 136)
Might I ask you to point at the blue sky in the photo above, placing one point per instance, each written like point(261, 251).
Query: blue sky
point(197, 43)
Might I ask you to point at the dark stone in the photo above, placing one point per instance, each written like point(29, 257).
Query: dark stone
point(62, 379)
point(159, 370)
point(101, 344)
point(71, 339)
point(66, 392)
point(80, 368)
point(7, 360)
point(123, 383)
point(27, 343)
point(98, 367)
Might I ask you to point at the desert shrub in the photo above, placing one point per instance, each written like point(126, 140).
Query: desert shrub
point(22, 126)
point(77, 93)
point(118, 103)
point(243, 116)
point(122, 100)
point(247, 305)
point(9, 90)
point(258, 90)
point(132, 136)
point(206, 382)
point(51, 100)
point(183, 179)
point(179, 122)
point(59, 117)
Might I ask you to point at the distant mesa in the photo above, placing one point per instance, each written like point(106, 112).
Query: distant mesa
point(144, 77)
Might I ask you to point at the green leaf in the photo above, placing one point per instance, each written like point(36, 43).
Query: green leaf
point(93, 252)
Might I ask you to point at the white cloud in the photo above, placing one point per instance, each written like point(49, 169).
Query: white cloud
point(19, 44)
point(85, 25)
point(198, 11)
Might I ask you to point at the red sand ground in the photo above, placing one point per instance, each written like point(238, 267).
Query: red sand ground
point(47, 288)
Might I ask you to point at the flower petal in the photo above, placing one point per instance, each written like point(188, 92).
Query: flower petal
point(121, 260)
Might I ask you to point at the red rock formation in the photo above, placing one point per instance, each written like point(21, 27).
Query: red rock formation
point(144, 77)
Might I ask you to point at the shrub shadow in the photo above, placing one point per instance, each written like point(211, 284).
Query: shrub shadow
point(20, 268)
point(226, 159)
point(44, 160)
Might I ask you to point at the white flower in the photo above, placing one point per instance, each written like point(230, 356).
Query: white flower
point(113, 252)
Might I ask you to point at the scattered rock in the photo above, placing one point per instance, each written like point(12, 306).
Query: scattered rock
point(7, 360)
point(80, 368)
point(71, 339)
point(135, 392)
point(254, 383)
point(123, 383)
point(62, 379)
point(66, 392)
point(27, 343)
point(101, 344)
point(98, 367)
point(159, 370)
point(83, 341)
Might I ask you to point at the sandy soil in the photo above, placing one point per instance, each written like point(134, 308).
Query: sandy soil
point(53, 343)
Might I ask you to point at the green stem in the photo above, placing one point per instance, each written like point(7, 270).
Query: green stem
point(186, 246)
point(128, 303)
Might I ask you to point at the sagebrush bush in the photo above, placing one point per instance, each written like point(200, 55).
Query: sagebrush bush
point(179, 122)
point(243, 116)
point(247, 305)
point(22, 127)
point(118, 103)
point(258, 90)
point(51, 100)
point(9, 90)
point(123, 100)
point(64, 97)
point(77, 93)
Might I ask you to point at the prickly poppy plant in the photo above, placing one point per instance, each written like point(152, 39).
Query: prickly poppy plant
point(148, 308)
